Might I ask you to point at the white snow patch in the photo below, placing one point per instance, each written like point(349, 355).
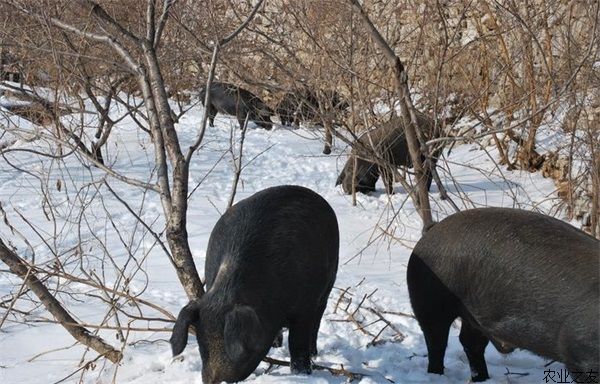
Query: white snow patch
point(369, 260)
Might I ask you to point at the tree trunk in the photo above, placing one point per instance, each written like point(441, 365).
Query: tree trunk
point(409, 117)
point(177, 235)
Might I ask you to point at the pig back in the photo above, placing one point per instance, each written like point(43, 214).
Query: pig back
point(279, 245)
point(523, 276)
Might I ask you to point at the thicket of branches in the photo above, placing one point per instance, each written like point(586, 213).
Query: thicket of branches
point(518, 72)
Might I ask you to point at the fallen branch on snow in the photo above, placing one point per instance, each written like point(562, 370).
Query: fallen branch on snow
point(334, 371)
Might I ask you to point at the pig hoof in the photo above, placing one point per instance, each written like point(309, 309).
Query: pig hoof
point(437, 371)
point(479, 378)
point(301, 366)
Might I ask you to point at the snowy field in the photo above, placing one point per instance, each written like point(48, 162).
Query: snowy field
point(376, 237)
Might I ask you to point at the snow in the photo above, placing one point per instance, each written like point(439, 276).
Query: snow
point(371, 261)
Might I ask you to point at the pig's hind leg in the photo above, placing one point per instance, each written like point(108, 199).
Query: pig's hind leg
point(316, 323)
point(474, 343)
point(300, 340)
point(435, 308)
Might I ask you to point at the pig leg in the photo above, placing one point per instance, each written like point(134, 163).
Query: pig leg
point(300, 339)
point(294, 118)
point(578, 358)
point(474, 343)
point(436, 331)
point(435, 308)
point(212, 112)
point(242, 120)
point(316, 324)
point(429, 175)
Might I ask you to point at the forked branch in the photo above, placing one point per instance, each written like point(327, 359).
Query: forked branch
point(19, 267)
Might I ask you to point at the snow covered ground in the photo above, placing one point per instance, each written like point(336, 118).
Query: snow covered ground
point(371, 262)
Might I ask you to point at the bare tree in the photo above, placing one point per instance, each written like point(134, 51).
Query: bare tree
point(515, 74)
point(416, 142)
point(102, 53)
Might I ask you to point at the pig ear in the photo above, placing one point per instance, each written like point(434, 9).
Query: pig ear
point(187, 316)
point(242, 333)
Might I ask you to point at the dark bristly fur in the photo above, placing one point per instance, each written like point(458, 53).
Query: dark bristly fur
point(297, 107)
point(305, 106)
point(271, 263)
point(233, 100)
point(388, 143)
point(516, 278)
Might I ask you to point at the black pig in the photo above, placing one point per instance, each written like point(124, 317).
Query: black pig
point(388, 143)
point(297, 107)
point(518, 279)
point(309, 106)
point(271, 263)
point(321, 107)
point(233, 100)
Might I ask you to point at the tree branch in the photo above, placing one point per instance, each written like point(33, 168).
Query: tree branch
point(211, 73)
point(19, 267)
point(239, 29)
point(351, 376)
point(162, 21)
point(409, 115)
point(101, 14)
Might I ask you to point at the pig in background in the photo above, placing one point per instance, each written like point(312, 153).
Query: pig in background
point(232, 100)
point(304, 106)
point(386, 142)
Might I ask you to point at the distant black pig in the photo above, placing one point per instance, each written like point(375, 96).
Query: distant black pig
point(518, 279)
point(271, 263)
point(388, 143)
point(310, 106)
point(296, 107)
point(321, 107)
point(233, 100)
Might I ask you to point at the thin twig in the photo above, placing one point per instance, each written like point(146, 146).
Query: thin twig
point(334, 371)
